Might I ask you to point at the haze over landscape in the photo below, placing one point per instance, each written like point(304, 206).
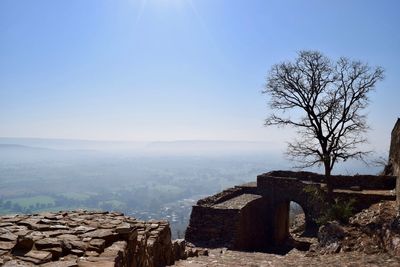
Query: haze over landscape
point(145, 106)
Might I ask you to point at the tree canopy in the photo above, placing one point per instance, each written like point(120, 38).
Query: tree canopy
point(324, 99)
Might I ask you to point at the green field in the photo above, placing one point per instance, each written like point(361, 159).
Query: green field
point(78, 196)
point(112, 204)
point(25, 202)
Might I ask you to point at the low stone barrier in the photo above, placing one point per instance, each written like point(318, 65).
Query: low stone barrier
point(366, 182)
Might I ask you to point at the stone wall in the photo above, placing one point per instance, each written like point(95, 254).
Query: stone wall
point(84, 238)
point(367, 182)
point(233, 218)
point(248, 188)
point(252, 229)
point(393, 166)
point(394, 153)
point(238, 222)
point(394, 158)
point(289, 186)
point(210, 227)
point(255, 216)
point(280, 191)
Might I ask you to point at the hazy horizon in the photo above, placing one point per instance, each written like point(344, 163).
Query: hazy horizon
point(156, 70)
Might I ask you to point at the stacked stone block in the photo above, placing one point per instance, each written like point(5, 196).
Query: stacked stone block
point(86, 238)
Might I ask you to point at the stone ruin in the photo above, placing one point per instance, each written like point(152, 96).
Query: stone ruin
point(255, 216)
point(87, 238)
point(393, 166)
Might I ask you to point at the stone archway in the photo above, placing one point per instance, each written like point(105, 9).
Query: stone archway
point(255, 216)
point(282, 239)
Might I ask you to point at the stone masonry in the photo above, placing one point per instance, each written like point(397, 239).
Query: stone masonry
point(394, 153)
point(87, 238)
point(255, 216)
point(394, 158)
point(393, 165)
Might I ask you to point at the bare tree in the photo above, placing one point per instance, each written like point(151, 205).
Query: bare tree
point(324, 100)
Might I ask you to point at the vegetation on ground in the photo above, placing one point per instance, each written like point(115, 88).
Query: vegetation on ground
point(339, 210)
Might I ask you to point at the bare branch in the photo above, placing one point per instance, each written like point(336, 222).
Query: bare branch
point(331, 96)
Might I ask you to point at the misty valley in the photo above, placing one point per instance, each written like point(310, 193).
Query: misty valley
point(52, 176)
point(159, 186)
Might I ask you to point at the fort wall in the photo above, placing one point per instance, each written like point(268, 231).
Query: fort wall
point(255, 216)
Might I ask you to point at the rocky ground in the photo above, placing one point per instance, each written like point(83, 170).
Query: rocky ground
point(295, 258)
point(373, 230)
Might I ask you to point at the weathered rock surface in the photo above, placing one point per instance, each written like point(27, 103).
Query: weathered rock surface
point(87, 238)
point(393, 167)
point(373, 230)
point(330, 237)
point(295, 258)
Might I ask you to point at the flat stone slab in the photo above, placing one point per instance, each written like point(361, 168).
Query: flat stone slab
point(8, 237)
point(237, 202)
point(36, 256)
point(6, 245)
point(78, 238)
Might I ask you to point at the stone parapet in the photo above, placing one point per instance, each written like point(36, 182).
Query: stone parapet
point(238, 222)
point(363, 182)
point(249, 188)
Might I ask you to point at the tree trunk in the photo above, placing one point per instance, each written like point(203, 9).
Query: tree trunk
point(328, 179)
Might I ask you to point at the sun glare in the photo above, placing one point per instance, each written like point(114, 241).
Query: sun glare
point(162, 4)
point(171, 3)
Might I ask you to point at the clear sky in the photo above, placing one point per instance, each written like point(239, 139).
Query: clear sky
point(177, 69)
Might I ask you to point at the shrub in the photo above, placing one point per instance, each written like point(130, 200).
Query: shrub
point(339, 210)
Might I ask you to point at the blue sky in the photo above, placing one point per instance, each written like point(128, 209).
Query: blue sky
point(177, 69)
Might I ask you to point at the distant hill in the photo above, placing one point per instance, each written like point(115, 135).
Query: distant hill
point(169, 147)
point(19, 147)
point(71, 144)
point(27, 153)
point(212, 146)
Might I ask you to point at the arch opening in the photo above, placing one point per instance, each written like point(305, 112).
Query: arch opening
point(297, 220)
point(290, 228)
point(298, 234)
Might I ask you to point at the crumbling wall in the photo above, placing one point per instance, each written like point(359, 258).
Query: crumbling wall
point(393, 166)
point(394, 159)
point(367, 182)
point(248, 188)
point(211, 227)
point(394, 153)
point(255, 216)
point(233, 218)
point(85, 238)
point(229, 219)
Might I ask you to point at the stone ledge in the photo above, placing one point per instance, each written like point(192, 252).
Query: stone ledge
point(237, 202)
